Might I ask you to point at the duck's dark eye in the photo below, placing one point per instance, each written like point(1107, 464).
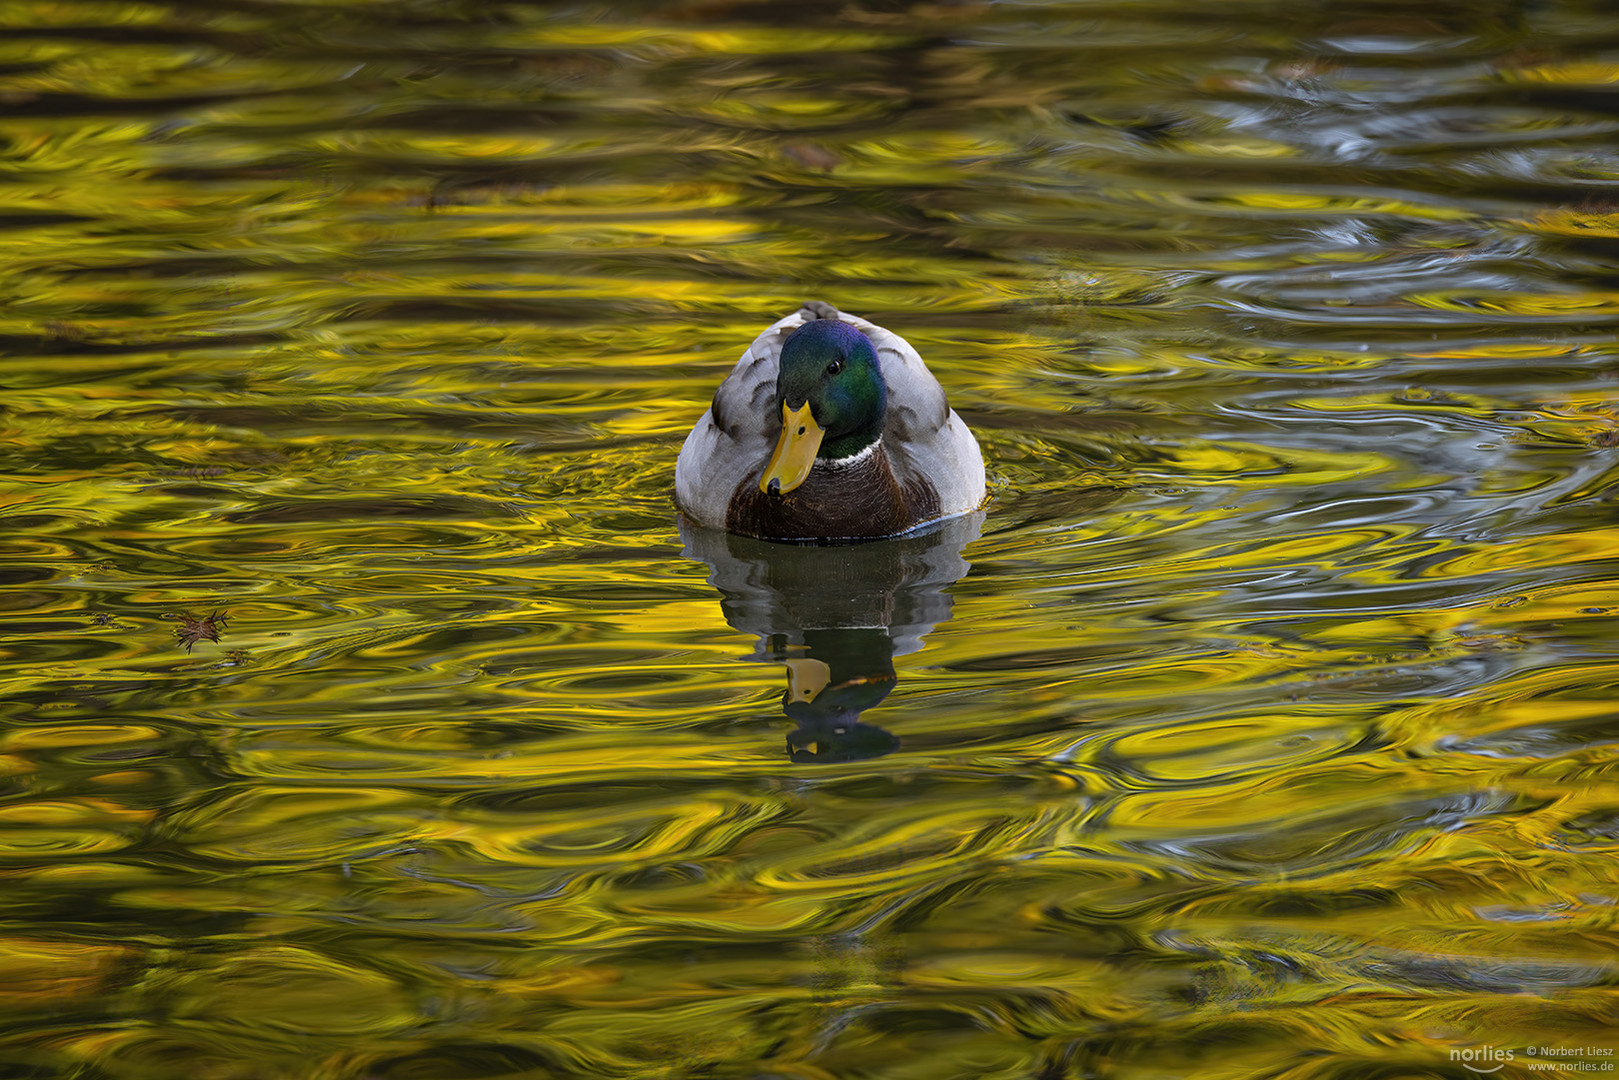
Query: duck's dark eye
point(834, 367)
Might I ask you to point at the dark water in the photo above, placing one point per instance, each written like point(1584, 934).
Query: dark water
point(1264, 724)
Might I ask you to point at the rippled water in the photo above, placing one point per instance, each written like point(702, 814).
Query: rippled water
point(1262, 725)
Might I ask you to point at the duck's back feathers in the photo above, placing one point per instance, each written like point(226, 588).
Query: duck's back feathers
point(926, 444)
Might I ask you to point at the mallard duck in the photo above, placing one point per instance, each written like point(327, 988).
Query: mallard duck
point(829, 428)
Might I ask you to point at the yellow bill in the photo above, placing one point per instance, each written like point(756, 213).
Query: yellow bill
point(795, 451)
point(806, 678)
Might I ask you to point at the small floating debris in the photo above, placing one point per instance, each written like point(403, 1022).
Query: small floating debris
point(195, 628)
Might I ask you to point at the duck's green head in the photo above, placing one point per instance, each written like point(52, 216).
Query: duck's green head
point(832, 397)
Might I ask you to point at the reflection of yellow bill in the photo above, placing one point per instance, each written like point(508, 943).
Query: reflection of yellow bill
point(795, 451)
point(806, 678)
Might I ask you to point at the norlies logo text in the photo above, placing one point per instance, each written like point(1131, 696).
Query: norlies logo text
point(1482, 1055)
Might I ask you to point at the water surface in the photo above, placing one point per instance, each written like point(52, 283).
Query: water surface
point(1262, 725)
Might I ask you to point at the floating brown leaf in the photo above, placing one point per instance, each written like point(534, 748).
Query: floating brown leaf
point(194, 628)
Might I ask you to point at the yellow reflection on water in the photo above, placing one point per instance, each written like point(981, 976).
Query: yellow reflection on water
point(1261, 726)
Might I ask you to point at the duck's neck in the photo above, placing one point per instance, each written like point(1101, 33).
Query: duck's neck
point(854, 443)
point(851, 460)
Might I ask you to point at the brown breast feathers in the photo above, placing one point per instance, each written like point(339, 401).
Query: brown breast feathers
point(858, 501)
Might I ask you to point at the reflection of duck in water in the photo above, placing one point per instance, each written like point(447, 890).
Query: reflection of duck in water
point(836, 617)
point(831, 679)
point(828, 428)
